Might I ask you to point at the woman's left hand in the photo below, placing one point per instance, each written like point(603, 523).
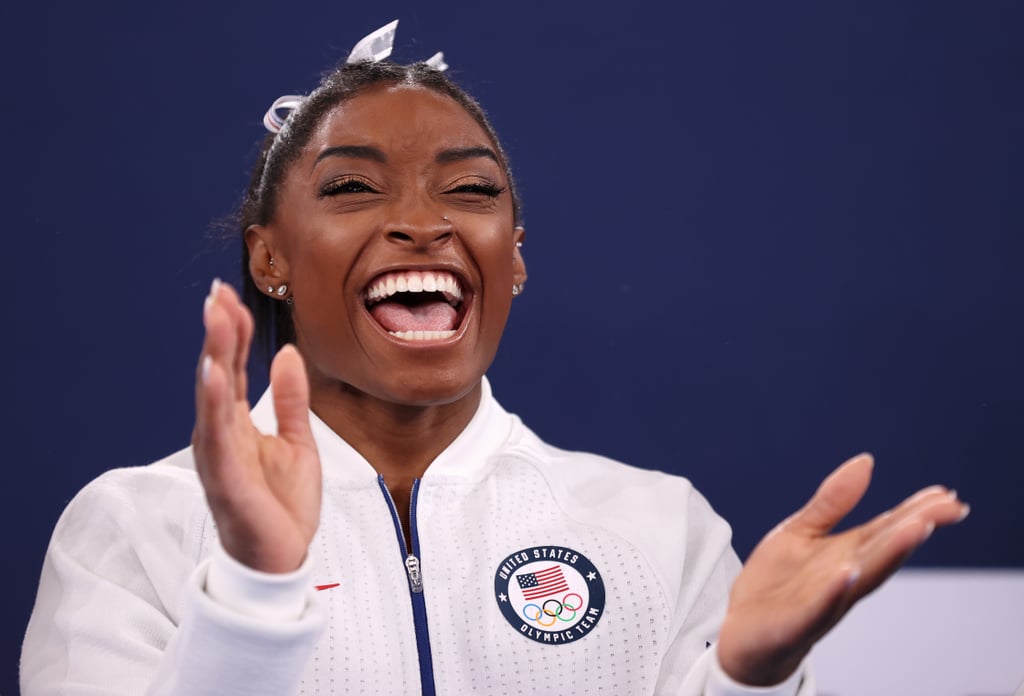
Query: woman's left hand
point(800, 580)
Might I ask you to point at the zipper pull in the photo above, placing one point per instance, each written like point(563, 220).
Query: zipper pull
point(412, 566)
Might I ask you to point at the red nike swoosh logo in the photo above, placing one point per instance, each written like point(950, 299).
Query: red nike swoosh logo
point(320, 588)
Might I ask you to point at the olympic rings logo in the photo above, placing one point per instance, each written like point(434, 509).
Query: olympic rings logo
point(553, 609)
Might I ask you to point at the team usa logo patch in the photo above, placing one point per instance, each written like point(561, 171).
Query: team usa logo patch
point(550, 594)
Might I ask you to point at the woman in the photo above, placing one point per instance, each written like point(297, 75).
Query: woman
point(379, 523)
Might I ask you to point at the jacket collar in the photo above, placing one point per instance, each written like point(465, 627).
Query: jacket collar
point(468, 458)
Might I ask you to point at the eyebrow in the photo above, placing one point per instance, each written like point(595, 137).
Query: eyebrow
point(465, 153)
point(357, 151)
point(457, 154)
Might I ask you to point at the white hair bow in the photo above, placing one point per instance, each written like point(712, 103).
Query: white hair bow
point(374, 47)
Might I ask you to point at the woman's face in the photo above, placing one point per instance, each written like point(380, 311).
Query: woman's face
point(394, 232)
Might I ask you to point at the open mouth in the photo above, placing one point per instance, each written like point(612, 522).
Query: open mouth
point(416, 305)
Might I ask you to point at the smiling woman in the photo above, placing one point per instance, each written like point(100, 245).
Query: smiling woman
point(377, 523)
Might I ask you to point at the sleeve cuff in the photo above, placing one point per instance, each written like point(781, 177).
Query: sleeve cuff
point(253, 593)
point(721, 684)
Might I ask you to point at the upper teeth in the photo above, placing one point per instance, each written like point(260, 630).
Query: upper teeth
point(390, 284)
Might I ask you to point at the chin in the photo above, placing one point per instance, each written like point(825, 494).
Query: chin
point(429, 388)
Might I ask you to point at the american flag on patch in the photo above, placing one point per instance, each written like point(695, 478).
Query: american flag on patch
point(543, 583)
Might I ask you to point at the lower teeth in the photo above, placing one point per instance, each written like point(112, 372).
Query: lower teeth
point(422, 335)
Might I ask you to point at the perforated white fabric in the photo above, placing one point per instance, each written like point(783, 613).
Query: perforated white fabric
point(124, 607)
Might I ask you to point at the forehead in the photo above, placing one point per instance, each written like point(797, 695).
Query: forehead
point(400, 118)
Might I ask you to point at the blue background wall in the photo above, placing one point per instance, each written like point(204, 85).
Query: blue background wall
point(762, 237)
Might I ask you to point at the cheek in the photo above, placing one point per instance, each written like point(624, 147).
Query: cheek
point(320, 262)
point(498, 262)
point(318, 275)
point(496, 265)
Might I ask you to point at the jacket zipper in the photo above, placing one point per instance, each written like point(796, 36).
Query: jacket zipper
point(415, 575)
point(412, 567)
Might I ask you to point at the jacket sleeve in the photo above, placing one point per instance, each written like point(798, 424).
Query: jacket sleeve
point(124, 606)
point(710, 565)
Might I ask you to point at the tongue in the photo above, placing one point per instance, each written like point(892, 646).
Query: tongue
point(429, 316)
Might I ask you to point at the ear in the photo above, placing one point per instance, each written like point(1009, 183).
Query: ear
point(266, 268)
point(518, 265)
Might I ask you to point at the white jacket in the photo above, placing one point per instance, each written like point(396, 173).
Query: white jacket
point(539, 571)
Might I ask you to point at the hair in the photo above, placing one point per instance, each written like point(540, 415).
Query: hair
point(272, 317)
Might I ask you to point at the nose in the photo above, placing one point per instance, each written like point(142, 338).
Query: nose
point(420, 226)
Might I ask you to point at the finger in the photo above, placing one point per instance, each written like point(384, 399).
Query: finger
point(242, 322)
point(937, 509)
point(290, 388)
point(213, 402)
point(884, 555)
point(220, 322)
point(888, 550)
point(245, 328)
point(922, 500)
point(953, 511)
point(213, 413)
point(837, 495)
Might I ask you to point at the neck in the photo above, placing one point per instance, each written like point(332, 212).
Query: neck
point(398, 440)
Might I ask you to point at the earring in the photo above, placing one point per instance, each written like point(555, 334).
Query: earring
point(517, 289)
point(519, 245)
point(271, 260)
point(270, 289)
point(282, 290)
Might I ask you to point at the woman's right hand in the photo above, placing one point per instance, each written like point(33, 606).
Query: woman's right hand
point(263, 490)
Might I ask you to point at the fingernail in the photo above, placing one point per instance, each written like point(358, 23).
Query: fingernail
point(952, 494)
point(853, 577)
point(208, 302)
point(964, 512)
point(205, 372)
point(928, 532)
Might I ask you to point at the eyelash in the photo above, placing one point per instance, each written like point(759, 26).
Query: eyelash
point(485, 189)
point(345, 185)
point(353, 185)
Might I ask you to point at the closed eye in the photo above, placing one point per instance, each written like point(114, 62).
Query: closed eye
point(346, 184)
point(480, 188)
